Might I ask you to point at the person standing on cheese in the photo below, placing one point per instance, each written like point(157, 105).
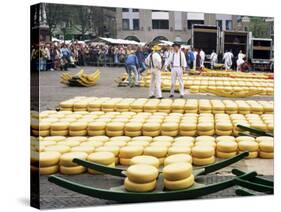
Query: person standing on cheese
point(154, 61)
point(177, 62)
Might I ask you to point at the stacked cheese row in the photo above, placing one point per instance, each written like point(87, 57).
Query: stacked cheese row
point(132, 124)
point(125, 150)
point(141, 178)
point(107, 104)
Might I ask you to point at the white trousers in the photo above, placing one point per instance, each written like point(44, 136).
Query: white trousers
point(155, 83)
point(177, 74)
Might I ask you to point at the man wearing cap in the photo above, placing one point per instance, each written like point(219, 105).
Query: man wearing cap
point(154, 61)
point(177, 62)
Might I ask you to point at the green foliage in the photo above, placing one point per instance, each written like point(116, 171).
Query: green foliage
point(259, 27)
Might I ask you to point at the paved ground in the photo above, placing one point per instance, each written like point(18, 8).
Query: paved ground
point(52, 92)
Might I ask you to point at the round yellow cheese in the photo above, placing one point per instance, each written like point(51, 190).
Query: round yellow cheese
point(121, 138)
point(45, 159)
point(244, 138)
point(87, 149)
point(58, 148)
point(96, 132)
point(161, 143)
point(264, 139)
point(54, 138)
point(139, 187)
point(266, 146)
point(59, 132)
point(101, 138)
point(116, 143)
point(156, 151)
point(69, 143)
point(147, 127)
point(133, 126)
point(78, 132)
point(113, 133)
point(250, 146)
point(203, 161)
point(145, 159)
point(115, 126)
point(220, 154)
point(142, 138)
point(163, 139)
point(66, 158)
point(227, 146)
point(92, 143)
point(77, 126)
point(187, 133)
point(77, 138)
point(48, 170)
point(202, 151)
point(130, 151)
point(72, 170)
point(132, 133)
point(223, 126)
point(125, 161)
point(179, 184)
point(206, 133)
point(225, 138)
point(177, 171)
point(142, 173)
point(177, 158)
point(151, 133)
point(104, 158)
point(96, 126)
point(204, 138)
point(179, 150)
point(266, 155)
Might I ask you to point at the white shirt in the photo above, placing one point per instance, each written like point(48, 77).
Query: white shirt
point(202, 55)
point(214, 57)
point(175, 58)
point(156, 58)
point(241, 56)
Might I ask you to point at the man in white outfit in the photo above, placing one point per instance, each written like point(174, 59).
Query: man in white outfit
point(202, 55)
point(240, 55)
point(213, 59)
point(178, 63)
point(154, 61)
point(227, 57)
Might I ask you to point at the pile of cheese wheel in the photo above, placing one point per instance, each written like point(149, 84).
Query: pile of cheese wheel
point(107, 104)
point(66, 123)
point(123, 150)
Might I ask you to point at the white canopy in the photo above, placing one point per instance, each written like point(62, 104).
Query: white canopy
point(121, 41)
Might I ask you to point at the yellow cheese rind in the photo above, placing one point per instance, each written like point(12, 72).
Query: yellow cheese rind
point(47, 158)
point(48, 170)
point(104, 158)
point(72, 170)
point(177, 158)
point(202, 151)
point(227, 146)
point(145, 159)
point(130, 151)
point(177, 171)
point(142, 173)
point(203, 161)
point(179, 184)
point(266, 155)
point(220, 154)
point(139, 187)
point(66, 158)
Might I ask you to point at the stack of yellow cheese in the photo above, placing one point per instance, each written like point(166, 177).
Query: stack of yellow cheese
point(178, 158)
point(230, 107)
point(188, 124)
point(68, 167)
point(104, 158)
point(67, 105)
point(205, 140)
point(268, 120)
point(165, 106)
point(80, 105)
point(40, 128)
point(191, 106)
point(226, 147)
point(151, 129)
point(145, 159)
point(249, 145)
point(128, 152)
point(78, 128)
point(109, 105)
point(205, 106)
point(133, 129)
point(124, 105)
point(203, 155)
point(223, 124)
point(59, 129)
point(217, 106)
point(137, 106)
point(178, 106)
point(178, 176)
point(205, 124)
point(115, 129)
point(266, 147)
point(170, 128)
point(113, 149)
point(243, 107)
point(96, 128)
point(46, 162)
point(151, 105)
point(141, 178)
point(61, 148)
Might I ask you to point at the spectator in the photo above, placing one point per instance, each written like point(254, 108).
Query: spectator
point(132, 65)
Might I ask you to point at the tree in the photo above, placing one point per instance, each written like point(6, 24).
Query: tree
point(259, 27)
point(53, 16)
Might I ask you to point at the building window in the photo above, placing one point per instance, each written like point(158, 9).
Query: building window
point(228, 24)
point(125, 9)
point(135, 10)
point(136, 24)
point(160, 24)
point(125, 24)
point(191, 22)
point(219, 24)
